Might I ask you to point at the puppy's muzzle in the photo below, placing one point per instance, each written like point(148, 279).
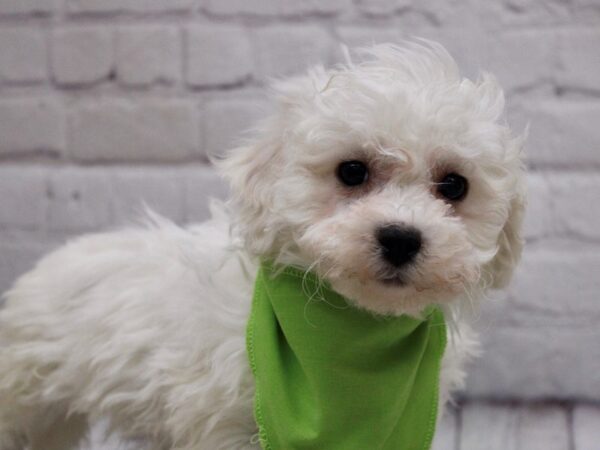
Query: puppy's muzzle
point(399, 244)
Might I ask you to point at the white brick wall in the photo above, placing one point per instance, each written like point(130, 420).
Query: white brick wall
point(121, 130)
point(32, 126)
point(585, 427)
point(29, 7)
point(82, 55)
point(22, 55)
point(108, 104)
point(514, 427)
point(23, 193)
point(579, 69)
point(288, 49)
point(223, 118)
point(148, 54)
point(116, 6)
point(217, 55)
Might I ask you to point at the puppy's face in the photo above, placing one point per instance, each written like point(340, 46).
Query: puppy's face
point(394, 180)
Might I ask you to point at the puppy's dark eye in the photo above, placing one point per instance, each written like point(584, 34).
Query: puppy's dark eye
point(453, 187)
point(352, 173)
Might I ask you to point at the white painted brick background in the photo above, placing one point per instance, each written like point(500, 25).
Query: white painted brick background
point(106, 104)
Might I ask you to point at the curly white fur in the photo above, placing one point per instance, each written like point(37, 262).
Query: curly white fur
point(146, 326)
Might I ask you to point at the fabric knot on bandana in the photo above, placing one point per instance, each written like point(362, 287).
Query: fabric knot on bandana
point(330, 376)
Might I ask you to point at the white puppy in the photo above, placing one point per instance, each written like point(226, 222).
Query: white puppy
point(395, 179)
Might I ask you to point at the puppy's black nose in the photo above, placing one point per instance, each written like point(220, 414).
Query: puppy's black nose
point(399, 245)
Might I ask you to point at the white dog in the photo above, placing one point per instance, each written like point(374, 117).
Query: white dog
point(395, 179)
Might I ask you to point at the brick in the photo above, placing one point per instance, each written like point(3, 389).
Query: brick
point(79, 200)
point(575, 197)
point(526, 13)
point(22, 55)
point(135, 6)
point(563, 133)
point(35, 7)
point(507, 427)
point(226, 122)
point(560, 204)
point(382, 7)
point(586, 5)
point(201, 184)
point(286, 50)
point(23, 197)
point(533, 335)
point(363, 36)
point(118, 130)
point(418, 18)
point(539, 286)
point(31, 125)
point(586, 427)
point(147, 55)
point(586, 11)
point(521, 59)
point(317, 7)
point(543, 427)
point(243, 7)
point(580, 59)
point(82, 55)
point(518, 58)
point(539, 296)
point(445, 434)
point(535, 358)
point(275, 7)
point(356, 37)
point(217, 55)
point(500, 423)
point(160, 190)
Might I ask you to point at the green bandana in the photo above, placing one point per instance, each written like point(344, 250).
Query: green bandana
point(330, 376)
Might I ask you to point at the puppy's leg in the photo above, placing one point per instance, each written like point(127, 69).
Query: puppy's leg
point(11, 440)
point(33, 411)
point(15, 423)
point(61, 434)
point(39, 427)
point(11, 437)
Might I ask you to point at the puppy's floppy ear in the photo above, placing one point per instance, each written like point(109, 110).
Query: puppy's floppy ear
point(500, 269)
point(252, 174)
point(510, 242)
point(254, 170)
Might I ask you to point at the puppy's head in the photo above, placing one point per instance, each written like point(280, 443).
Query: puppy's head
point(395, 179)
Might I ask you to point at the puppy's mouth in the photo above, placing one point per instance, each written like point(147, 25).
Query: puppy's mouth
point(393, 281)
